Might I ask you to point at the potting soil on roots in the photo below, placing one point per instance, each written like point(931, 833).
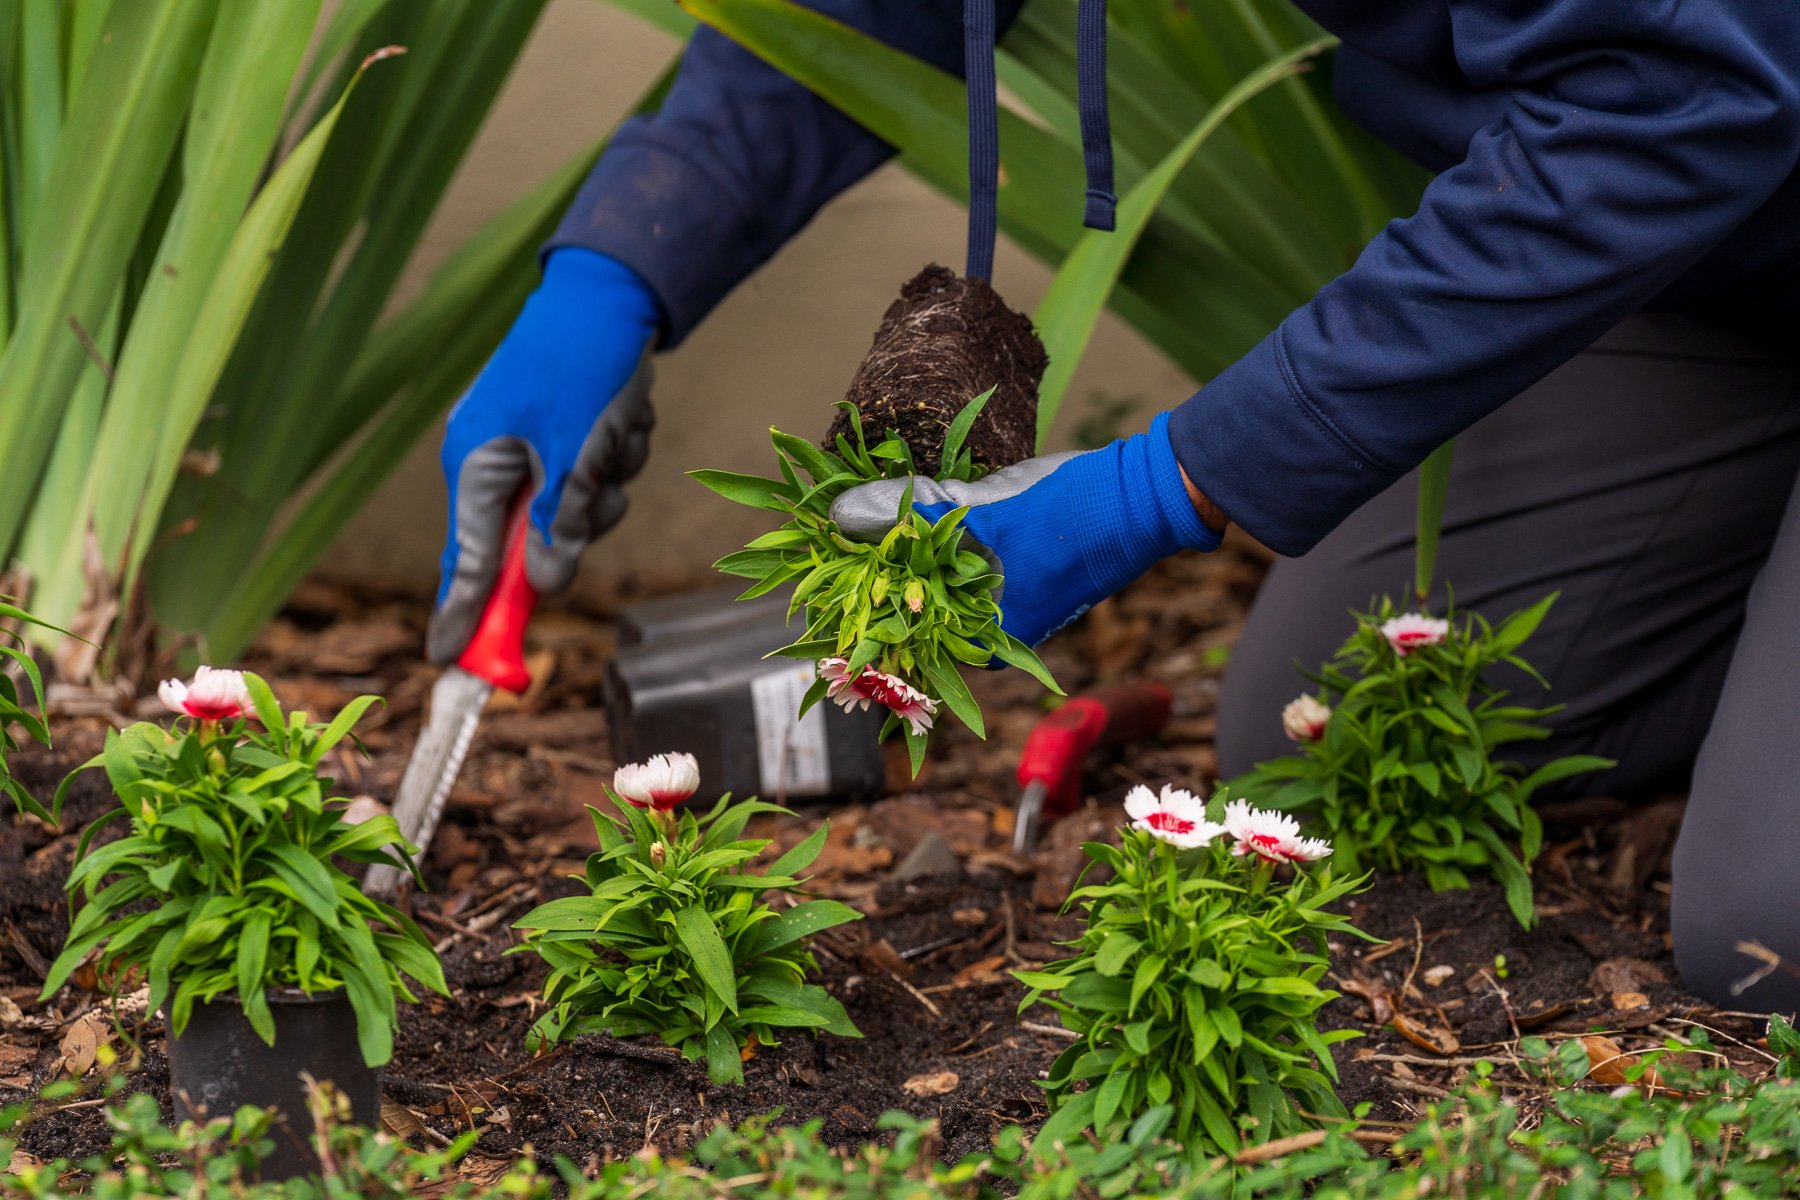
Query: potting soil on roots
point(946, 340)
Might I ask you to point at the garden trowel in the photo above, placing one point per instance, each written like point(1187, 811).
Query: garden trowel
point(494, 658)
point(1050, 768)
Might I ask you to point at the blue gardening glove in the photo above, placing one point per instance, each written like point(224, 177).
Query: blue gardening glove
point(563, 402)
point(1066, 530)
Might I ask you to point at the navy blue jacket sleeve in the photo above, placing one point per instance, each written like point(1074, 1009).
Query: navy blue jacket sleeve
point(1637, 133)
point(699, 194)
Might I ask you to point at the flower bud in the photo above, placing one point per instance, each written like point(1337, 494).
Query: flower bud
point(915, 594)
point(659, 854)
point(1304, 718)
point(879, 589)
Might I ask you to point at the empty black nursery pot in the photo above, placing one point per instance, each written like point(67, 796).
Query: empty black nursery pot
point(219, 1064)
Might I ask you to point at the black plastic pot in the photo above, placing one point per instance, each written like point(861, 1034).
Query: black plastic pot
point(219, 1064)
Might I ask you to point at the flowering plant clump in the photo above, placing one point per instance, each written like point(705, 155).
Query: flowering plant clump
point(888, 622)
point(227, 881)
point(1396, 759)
point(1196, 982)
point(672, 938)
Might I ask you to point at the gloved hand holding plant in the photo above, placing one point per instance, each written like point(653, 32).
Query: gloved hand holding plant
point(946, 542)
point(888, 619)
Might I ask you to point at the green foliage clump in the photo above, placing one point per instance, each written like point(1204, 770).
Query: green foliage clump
point(673, 939)
point(914, 605)
point(1196, 984)
point(1710, 1132)
point(225, 883)
point(1405, 775)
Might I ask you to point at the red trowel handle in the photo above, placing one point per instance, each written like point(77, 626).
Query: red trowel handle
point(497, 651)
point(1111, 715)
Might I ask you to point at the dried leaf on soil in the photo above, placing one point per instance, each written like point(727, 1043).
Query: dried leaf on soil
point(400, 1120)
point(987, 970)
point(1608, 1062)
point(1434, 1038)
point(1379, 998)
point(81, 1044)
point(936, 1083)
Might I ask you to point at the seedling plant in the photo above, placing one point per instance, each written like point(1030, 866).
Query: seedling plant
point(1196, 982)
point(888, 622)
point(226, 882)
point(1397, 757)
point(673, 939)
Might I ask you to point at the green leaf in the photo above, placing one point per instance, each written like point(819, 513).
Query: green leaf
point(801, 856)
point(1514, 631)
point(252, 981)
point(712, 962)
point(797, 924)
point(1115, 952)
point(752, 490)
point(722, 1062)
point(808, 997)
point(1092, 990)
point(958, 433)
point(1562, 768)
point(341, 726)
point(1434, 485)
point(1109, 1099)
point(309, 878)
point(781, 1016)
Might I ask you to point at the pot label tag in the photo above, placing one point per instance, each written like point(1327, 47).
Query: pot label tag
point(791, 753)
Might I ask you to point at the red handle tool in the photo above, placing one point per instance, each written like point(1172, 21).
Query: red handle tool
point(497, 651)
point(1050, 768)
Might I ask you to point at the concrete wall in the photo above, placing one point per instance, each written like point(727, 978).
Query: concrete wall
point(778, 351)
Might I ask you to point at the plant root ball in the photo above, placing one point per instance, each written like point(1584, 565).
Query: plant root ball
point(946, 340)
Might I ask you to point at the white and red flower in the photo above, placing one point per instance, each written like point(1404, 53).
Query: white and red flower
point(1304, 718)
point(662, 783)
point(1410, 631)
point(1271, 836)
point(214, 695)
point(853, 692)
point(1176, 816)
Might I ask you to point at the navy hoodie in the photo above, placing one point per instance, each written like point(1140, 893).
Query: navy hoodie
point(1592, 158)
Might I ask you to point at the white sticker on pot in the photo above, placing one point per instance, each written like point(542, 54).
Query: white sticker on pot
point(792, 753)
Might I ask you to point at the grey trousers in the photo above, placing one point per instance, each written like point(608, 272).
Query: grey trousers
point(1652, 481)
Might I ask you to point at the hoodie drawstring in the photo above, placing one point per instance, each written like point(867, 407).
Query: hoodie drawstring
point(984, 125)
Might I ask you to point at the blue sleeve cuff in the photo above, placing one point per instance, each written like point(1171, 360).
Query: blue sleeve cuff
point(1172, 500)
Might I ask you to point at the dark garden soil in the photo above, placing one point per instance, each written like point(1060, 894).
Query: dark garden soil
point(949, 911)
point(947, 339)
